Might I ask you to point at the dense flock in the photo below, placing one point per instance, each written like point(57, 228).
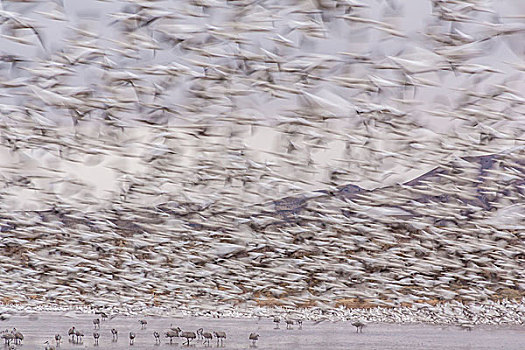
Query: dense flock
point(263, 157)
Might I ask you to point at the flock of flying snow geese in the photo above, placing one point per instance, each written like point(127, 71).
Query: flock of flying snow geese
point(334, 159)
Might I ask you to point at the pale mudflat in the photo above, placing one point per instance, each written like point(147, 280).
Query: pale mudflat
point(325, 335)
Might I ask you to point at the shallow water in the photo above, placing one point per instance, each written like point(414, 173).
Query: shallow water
point(327, 335)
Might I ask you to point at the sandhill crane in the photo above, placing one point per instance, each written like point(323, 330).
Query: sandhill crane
point(8, 337)
point(96, 335)
point(207, 337)
point(114, 333)
point(289, 324)
point(189, 336)
point(58, 338)
point(358, 325)
point(199, 333)
point(221, 336)
point(48, 346)
point(103, 315)
point(253, 337)
point(131, 338)
point(96, 323)
point(79, 334)
point(143, 324)
point(157, 337)
point(18, 336)
point(71, 332)
point(175, 329)
point(276, 320)
point(173, 332)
